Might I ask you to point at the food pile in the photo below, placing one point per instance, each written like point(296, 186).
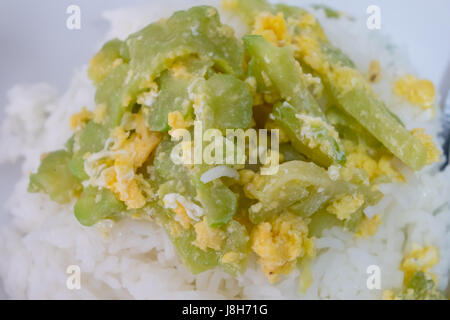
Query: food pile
point(337, 140)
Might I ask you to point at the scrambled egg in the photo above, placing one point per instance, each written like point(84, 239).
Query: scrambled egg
point(182, 216)
point(272, 27)
point(207, 237)
point(78, 120)
point(346, 78)
point(345, 205)
point(308, 48)
point(419, 259)
point(245, 176)
point(180, 71)
point(416, 267)
point(314, 83)
point(308, 132)
point(280, 242)
point(231, 257)
point(148, 97)
point(176, 121)
point(369, 227)
point(358, 157)
point(433, 153)
point(417, 91)
point(127, 154)
point(186, 212)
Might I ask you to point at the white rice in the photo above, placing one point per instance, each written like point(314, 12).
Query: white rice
point(135, 259)
point(218, 172)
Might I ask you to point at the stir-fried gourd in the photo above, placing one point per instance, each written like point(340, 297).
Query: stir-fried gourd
point(88, 140)
point(172, 97)
point(320, 221)
point(225, 102)
point(346, 85)
point(311, 136)
point(219, 202)
point(303, 188)
point(194, 31)
point(190, 68)
point(419, 287)
point(300, 115)
point(217, 199)
point(55, 179)
point(96, 204)
point(234, 243)
point(351, 130)
point(106, 60)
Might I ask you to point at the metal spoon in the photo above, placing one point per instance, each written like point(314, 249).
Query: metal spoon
point(446, 128)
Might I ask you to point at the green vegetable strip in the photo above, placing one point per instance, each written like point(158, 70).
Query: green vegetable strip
point(90, 139)
point(218, 201)
point(284, 74)
point(420, 287)
point(198, 260)
point(54, 178)
point(194, 31)
point(227, 102)
point(359, 101)
point(96, 204)
point(364, 106)
point(173, 97)
point(192, 256)
point(369, 112)
point(295, 186)
point(317, 144)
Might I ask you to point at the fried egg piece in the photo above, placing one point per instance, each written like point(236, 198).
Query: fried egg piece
point(279, 243)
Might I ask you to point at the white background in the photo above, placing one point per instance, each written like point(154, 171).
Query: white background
point(35, 44)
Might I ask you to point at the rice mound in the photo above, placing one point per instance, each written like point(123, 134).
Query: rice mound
point(135, 259)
